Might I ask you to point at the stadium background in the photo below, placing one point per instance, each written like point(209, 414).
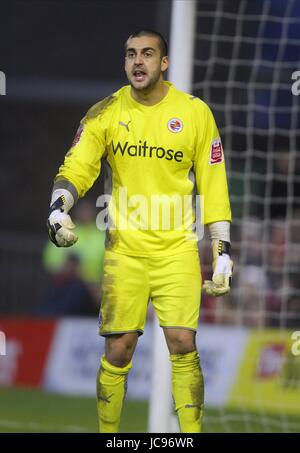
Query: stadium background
point(60, 58)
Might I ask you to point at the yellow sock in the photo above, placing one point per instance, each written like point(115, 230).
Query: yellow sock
point(111, 391)
point(188, 391)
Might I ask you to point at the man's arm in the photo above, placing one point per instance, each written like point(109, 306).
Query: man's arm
point(59, 223)
point(64, 184)
point(80, 169)
point(210, 173)
point(222, 264)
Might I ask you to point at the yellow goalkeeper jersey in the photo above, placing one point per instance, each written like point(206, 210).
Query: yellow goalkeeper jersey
point(156, 155)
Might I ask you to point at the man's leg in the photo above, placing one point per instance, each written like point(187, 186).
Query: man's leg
point(112, 379)
point(125, 294)
point(175, 283)
point(187, 378)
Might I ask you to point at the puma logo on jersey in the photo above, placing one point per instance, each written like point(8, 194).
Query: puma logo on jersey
point(125, 125)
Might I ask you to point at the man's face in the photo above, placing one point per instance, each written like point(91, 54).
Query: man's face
point(143, 62)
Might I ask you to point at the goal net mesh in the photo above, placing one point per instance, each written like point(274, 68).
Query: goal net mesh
point(245, 54)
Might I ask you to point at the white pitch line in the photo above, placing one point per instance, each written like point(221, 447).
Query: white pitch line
point(39, 426)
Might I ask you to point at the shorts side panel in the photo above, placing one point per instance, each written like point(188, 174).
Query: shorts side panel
point(125, 294)
point(175, 288)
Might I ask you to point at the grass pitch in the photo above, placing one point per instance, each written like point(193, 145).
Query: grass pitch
point(33, 411)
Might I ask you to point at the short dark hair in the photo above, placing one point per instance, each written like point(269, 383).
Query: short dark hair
point(163, 44)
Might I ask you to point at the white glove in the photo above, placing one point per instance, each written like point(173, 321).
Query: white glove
point(60, 228)
point(222, 276)
point(59, 222)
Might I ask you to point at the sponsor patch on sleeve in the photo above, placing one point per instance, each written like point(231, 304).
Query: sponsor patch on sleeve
point(77, 136)
point(216, 152)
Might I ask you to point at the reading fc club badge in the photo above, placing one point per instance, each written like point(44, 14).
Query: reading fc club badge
point(175, 125)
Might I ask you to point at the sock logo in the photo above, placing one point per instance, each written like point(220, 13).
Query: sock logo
point(104, 398)
point(144, 150)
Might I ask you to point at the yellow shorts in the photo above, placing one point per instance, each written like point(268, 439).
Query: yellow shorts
point(173, 284)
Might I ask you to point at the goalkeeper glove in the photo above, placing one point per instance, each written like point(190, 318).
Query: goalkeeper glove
point(222, 267)
point(59, 222)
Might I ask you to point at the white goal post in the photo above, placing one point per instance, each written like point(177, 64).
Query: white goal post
point(161, 416)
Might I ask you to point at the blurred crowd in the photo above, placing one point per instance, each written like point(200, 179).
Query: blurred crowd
point(76, 272)
point(266, 279)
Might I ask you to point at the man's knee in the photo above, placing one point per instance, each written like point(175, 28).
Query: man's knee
point(180, 341)
point(119, 349)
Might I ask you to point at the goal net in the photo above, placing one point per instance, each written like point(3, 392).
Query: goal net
point(245, 55)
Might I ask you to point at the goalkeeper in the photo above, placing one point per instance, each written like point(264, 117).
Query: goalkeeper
point(152, 136)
